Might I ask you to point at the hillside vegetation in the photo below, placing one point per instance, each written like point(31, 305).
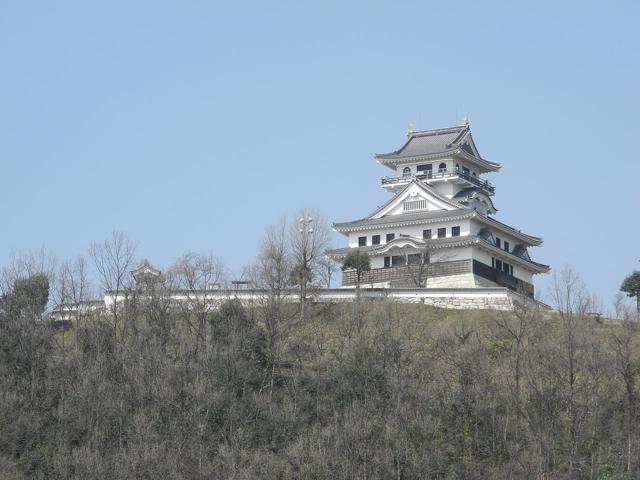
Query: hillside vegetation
point(371, 390)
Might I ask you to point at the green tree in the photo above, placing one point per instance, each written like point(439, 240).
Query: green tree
point(29, 295)
point(358, 261)
point(631, 286)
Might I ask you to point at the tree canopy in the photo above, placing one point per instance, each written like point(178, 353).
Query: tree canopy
point(358, 261)
point(29, 295)
point(631, 286)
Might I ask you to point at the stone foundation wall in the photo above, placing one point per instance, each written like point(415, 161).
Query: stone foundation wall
point(463, 280)
point(466, 303)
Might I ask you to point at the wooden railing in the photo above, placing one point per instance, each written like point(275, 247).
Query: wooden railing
point(378, 275)
point(483, 184)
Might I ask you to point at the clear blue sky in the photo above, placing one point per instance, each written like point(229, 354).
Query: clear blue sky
point(193, 125)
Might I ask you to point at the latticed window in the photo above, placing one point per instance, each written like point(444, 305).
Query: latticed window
point(415, 205)
point(406, 172)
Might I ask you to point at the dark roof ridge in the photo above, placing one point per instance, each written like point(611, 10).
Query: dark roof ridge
point(438, 131)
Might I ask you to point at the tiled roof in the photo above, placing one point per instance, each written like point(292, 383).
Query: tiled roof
point(436, 243)
point(468, 193)
point(450, 242)
point(435, 143)
point(404, 219)
point(429, 142)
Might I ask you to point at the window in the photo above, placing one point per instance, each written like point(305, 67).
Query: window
point(457, 167)
point(390, 236)
point(442, 232)
point(362, 241)
point(442, 167)
point(397, 260)
point(375, 240)
point(465, 170)
point(505, 267)
point(498, 243)
point(406, 172)
point(387, 262)
point(455, 231)
point(415, 205)
point(498, 265)
point(426, 234)
point(506, 245)
point(424, 169)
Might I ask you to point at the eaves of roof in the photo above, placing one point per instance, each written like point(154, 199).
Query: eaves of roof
point(453, 152)
point(526, 238)
point(451, 242)
point(448, 147)
point(418, 218)
point(404, 219)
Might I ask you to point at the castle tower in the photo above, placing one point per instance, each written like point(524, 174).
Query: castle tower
point(437, 231)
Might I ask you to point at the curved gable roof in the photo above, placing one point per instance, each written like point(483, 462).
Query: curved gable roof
point(428, 190)
point(437, 143)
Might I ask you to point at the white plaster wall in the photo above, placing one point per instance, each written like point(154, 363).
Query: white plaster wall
point(377, 262)
point(412, 230)
point(518, 272)
point(523, 274)
point(462, 280)
point(444, 188)
point(485, 257)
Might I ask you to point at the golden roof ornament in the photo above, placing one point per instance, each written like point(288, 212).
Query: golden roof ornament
point(409, 129)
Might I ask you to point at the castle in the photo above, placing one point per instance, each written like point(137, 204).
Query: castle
point(438, 229)
point(435, 241)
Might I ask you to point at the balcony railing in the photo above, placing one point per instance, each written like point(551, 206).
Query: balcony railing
point(483, 184)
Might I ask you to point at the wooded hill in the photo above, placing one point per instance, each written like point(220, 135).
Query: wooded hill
point(363, 390)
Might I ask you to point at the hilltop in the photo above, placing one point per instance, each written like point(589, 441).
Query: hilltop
point(360, 390)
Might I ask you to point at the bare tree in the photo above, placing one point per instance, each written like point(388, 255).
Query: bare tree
point(327, 268)
point(627, 361)
point(197, 275)
point(73, 291)
point(308, 237)
point(421, 260)
point(25, 265)
point(272, 274)
point(573, 304)
point(113, 260)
